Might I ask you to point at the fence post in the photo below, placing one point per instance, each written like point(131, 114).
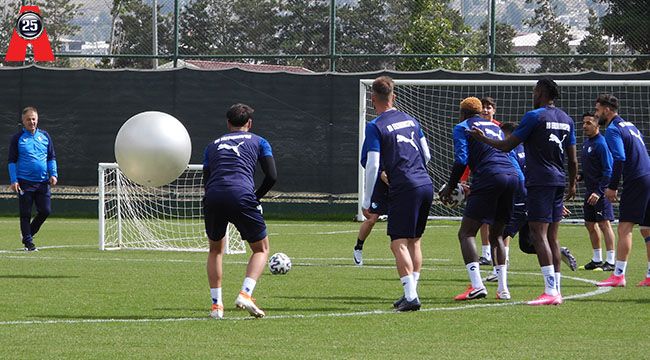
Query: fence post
point(176, 30)
point(493, 34)
point(332, 54)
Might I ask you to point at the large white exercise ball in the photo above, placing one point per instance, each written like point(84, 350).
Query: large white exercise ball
point(152, 148)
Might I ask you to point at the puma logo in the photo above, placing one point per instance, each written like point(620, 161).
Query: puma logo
point(402, 138)
point(637, 135)
point(557, 140)
point(493, 133)
point(234, 148)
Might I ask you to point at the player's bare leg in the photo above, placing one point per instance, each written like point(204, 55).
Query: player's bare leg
point(623, 249)
point(547, 259)
point(467, 238)
point(364, 231)
point(254, 270)
point(610, 238)
point(404, 264)
point(499, 256)
point(645, 232)
point(486, 254)
point(215, 276)
point(416, 258)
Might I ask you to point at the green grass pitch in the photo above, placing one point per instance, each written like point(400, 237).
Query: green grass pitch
point(71, 301)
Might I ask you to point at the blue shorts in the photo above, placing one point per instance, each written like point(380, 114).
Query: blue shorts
point(518, 220)
point(408, 212)
point(220, 208)
point(545, 203)
point(603, 210)
point(635, 201)
point(491, 199)
point(379, 198)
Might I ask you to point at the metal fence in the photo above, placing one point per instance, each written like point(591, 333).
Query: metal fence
point(517, 36)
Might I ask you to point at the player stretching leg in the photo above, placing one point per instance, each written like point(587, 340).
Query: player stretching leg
point(230, 196)
point(548, 134)
point(631, 160)
point(490, 201)
point(378, 204)
point(398, 140)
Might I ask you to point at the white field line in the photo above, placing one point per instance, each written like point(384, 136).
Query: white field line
point(598, 291)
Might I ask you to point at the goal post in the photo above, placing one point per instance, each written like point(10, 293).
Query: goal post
point(168, 217)
point(435, 104)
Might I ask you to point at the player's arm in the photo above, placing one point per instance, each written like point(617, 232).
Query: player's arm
point(572, 160)
point(615, 145)
point(461, 150)
point(51, 161)
point(12, 160)
point(370, 160)
point(267, 163)
point(206, 167)
point(606, 162)
point(426, 153)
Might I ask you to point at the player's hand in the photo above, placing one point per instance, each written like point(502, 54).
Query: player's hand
point(476, 133)
point(53, 180)
point(571, 193)
point(15, 187)
point(384, 177)
point(466, 189)
point(366, 213)
point(593, 199)
point(445, 195)
point(611, 195)
point(565, 211)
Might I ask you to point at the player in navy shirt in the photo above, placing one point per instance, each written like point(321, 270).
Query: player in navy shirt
point(494, 183)
point(32, 170)
point(548, 134)
point(396, 140)
point(596, 172)
point(230, 196)
point(631, 160)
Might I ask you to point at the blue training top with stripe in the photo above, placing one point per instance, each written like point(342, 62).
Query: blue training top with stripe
point(232, 159)
point(546, 132)
point(31, 156)
point(396, 136)
point(596, 165)
point(483, 160)
point(625, 142)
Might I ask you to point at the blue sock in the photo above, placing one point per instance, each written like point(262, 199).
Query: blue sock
point(647, 240)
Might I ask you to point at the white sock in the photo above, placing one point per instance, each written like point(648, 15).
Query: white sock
point(474, 275)
point(215, 293)
point(619, 269)
point(507, 254)
point(409, 287)
point(487, 252)
point(611, 256)
point(416, 278)
point(248, 286)
point(648, 273)
point(548, 272)
point(598, 255)
point(502, 275)
point(558, 277)
point(494, 270)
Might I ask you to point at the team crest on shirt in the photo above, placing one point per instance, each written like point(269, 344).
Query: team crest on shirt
point(373, 205)
point(589, 149)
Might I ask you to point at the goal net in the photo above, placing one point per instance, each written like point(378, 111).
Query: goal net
point(168, 217)
point(435, 103)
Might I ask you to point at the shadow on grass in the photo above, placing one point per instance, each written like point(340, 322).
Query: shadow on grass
point(19, 276)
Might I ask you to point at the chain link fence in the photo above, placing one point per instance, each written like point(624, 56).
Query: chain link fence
point(518, 36)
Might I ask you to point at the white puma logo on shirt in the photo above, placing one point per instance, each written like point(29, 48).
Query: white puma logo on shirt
point(493, 133)
point(557, 140)
point(402, 138)
point(637, 135)
point(234, 148)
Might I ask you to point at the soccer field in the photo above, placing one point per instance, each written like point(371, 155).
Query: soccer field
point(70, 300)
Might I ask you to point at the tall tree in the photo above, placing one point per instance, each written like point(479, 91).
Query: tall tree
point(256, 23)
point(58, 16)
point(304, 29)
point(8, 14)
point(629, 20)
point(593, 43)
point(206, 27)
point(478, 43)
point(554, 37)
point(433, 28)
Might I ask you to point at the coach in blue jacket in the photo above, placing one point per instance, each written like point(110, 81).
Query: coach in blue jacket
point(32, 169)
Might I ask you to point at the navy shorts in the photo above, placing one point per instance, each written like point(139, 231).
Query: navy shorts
point(635, 201)
point(379, 198)
point(491, 199)
point(545, 203)
point(518, 220)
point(603, 210)
point(220, 208)
point(408, 212)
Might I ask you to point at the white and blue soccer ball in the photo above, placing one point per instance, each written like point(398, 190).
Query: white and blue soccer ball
point(279, 263)
point(457, 196)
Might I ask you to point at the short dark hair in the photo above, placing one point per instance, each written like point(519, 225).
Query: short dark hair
point(487, 100)
point(549, 87)
point(607, 100)
point(28, 109)
point(588, 114)
point(383, 87)
point(239, 114)
point(508, 126)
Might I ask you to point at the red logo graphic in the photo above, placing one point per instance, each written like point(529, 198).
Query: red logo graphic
point(29, 30)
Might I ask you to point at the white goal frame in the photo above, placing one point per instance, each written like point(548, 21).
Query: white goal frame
point(116, 215)
point(364, 116)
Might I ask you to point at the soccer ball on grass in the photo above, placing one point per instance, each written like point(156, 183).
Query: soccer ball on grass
point(279, 263)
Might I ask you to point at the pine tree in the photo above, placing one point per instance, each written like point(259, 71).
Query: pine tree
point(554, 37)
point(594, 43)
